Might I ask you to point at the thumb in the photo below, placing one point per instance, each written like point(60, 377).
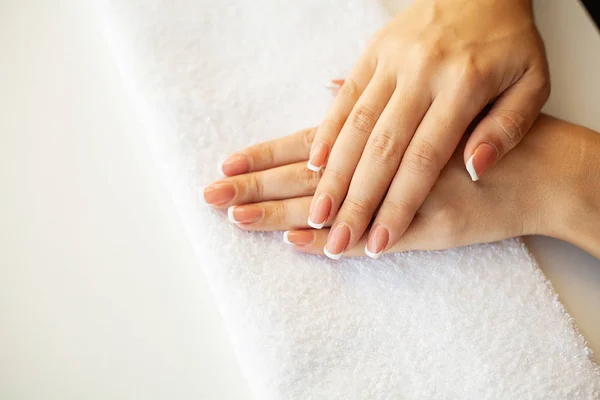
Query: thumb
point(507, 122)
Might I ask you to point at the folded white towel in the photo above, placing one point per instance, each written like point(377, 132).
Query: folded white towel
point(209, 77)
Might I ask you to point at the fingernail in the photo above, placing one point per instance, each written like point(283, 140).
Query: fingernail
point(334, 84)
point(484, 156)
point(234, 165)
point(244, 214)
point(378, 240)
point(317, 157)
point(338, 240)
point(219, 193)
point(298, 238)
point(319, 211)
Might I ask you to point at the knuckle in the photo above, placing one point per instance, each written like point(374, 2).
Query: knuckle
point(544, 86)
point(329, 125)
point(375, 44)
point(309, 178)
point(421, 159)
point(397, 209)
point(267, 155)
point(426, 53)
point(349, 90)
point(510, 126)
point(443, 216)
point(358, 208)
point(363, 120)
point(254, 187)
point(448, 222)
point(377, 38)
point(385, 147)
point(278, 212)
point(469, 74)
point(309, 136)
point(546, 90)
point(337, 175)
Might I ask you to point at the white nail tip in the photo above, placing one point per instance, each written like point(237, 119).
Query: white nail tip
point(471, 169)
point(315, 226)
point(230, 216)
point(331, 255)
point(332, 85)
point(285, 237)
point(220, 169)
point(313, 168)
point(374, 256)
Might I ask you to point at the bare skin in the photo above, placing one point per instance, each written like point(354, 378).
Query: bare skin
point(401, 112)
point(550, 185)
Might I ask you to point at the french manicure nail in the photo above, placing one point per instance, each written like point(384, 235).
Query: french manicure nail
point(244, 214)
point(235, 165)
point(219, 193)
point(220, 170)
point(483, 158)
point(338, 240)
point(298, 238)
point(319, 211)
point(317, 157)
point(378, 240)
point(334, 84)
point(230, 216)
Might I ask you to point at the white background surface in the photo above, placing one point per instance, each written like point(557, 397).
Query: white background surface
point(100, 295)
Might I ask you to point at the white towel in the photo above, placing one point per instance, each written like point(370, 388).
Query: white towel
point(209, 77)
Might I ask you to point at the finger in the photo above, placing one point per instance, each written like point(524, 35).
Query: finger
point(417, 237)
point(428, 152)
point(509, 119)
point(381, 157)
point(274, 153)
point(339, 111)
point(313, 241)
point(289, 181)
point(347, 150)
point(334, 85)
point(271, 215)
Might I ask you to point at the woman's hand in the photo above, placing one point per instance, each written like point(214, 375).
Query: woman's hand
point(550, 186)
point(401, 112)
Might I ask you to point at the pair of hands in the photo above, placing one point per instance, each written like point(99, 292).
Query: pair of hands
point(540, 189)
point(402, 111)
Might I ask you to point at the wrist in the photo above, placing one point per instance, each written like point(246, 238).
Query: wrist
point(573, 211)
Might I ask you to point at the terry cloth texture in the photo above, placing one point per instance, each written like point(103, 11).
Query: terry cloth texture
point(209, 77)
